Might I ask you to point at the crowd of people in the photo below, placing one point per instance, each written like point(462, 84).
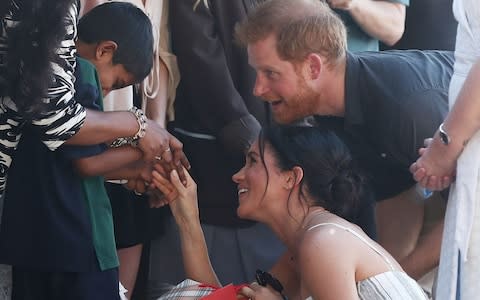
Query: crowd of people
point(143, 142)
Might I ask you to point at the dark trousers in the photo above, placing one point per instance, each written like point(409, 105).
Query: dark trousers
point(29, 284)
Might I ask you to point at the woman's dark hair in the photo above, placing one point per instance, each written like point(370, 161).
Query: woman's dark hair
point(32, 46)
point(329, 175)
point(126, 25)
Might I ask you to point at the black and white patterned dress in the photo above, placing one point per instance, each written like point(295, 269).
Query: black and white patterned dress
point(63, 116)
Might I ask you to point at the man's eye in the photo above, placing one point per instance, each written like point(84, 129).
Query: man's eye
point(270, 74)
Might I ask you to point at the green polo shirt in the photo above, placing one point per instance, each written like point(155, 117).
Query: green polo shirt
point(96, 196)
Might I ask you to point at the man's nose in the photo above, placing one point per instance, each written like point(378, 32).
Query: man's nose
point(260, 87)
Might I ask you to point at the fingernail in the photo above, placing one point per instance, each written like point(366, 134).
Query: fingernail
point(174, 173)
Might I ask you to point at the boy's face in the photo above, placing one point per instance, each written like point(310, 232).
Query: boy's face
point(113, 77)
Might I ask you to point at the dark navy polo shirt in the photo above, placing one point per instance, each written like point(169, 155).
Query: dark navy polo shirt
point(393, 101)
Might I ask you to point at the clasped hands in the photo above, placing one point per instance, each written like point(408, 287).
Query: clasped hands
point(435, 168)
point(159, 147)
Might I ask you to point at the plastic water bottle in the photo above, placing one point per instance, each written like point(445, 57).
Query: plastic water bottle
point(424, 193)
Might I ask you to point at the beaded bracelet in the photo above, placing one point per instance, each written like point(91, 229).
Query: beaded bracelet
point(142, 124)
point(142, 130)
point(264, 278)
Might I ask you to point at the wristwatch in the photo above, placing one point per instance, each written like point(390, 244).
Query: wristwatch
point(443, 135)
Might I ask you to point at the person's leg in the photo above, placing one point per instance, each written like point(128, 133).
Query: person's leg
point(129, 264)
point(399, 223)
point(30, 285)
point(426, 254)
point(97, 285)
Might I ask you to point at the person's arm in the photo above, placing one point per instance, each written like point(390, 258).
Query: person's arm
point(437, 163)
point(217, 103)
point(381, 19)
point(87, 5)
point(156, 108)
point(184, 206)
point(100, 127)
point(327, 265)
point(111, 160)
point(121, 163)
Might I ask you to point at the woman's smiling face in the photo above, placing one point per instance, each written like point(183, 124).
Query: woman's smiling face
point(260, 183)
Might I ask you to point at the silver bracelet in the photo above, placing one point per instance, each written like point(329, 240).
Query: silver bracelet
point(142, 130)
point(142, 123)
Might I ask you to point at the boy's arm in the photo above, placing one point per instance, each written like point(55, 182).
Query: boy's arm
point(108, 161)
point(136, 171)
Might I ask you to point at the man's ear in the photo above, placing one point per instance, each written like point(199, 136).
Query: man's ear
point(105, 50)
point(294, 177)
point(314, 65)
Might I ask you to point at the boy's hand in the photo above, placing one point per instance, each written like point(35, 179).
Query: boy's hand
point(156, 199)
point(136, 185)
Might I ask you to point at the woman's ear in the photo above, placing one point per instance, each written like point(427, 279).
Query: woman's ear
point(294, 177)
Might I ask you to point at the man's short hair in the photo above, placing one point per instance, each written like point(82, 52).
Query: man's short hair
point(301, 27)
point(126, 25)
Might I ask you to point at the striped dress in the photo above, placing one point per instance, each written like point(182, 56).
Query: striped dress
point(63, 116)
point(391, 285)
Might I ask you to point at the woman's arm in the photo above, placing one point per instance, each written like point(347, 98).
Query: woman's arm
point(327, 266)
point(383, 20)
point(184, 206)
point(100, 127)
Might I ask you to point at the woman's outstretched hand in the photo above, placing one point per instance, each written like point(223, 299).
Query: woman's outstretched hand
point(182, 198)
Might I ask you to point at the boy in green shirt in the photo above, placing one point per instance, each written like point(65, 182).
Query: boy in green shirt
point(57, 232)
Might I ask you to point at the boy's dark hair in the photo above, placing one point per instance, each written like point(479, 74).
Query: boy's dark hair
point(126, 25)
